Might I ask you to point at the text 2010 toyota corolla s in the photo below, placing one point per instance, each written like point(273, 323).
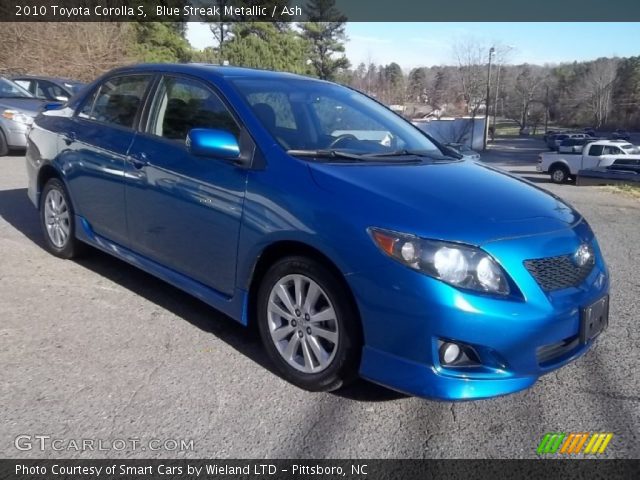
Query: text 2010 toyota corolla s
point(357, 244)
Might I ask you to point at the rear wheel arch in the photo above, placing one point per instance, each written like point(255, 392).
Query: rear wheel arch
point(46, 173)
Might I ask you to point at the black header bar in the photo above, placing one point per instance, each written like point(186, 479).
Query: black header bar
point(295, 11)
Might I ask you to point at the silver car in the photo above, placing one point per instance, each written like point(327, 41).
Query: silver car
point(18, 108)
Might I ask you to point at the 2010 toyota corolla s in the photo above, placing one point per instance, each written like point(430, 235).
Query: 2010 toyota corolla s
point(355, 242)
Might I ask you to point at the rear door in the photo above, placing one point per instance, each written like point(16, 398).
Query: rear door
point(184, 211)
point(94, 147)
point(609, 155)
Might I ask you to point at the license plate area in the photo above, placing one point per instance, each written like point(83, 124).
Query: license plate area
point(594, 319)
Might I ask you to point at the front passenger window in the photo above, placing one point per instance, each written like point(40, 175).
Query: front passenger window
point(182, 104)
point(595, 150)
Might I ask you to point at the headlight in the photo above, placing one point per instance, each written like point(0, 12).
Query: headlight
point(17, 116)
point(458, 265)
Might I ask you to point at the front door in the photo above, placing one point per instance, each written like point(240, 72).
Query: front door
point(184, 211)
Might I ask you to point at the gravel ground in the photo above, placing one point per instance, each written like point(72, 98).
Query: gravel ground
point(95, 349)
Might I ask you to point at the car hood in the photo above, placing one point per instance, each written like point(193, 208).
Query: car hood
point(28, 106)
point(457, 201)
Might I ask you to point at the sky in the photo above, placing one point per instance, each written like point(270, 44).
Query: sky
point(426, 44)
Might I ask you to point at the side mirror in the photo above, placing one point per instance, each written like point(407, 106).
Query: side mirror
point(51, 106)
point(62, 98)
point(206, 142)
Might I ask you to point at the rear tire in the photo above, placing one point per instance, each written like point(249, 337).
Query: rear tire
point(57, 221)
point(316, 354)
point(4, 147)
point(559, 174)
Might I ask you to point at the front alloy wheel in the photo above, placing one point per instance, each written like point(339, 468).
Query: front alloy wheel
point(308, 324)
point(303, 323)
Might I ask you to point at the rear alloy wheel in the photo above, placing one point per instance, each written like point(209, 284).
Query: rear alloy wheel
point(559, 174)
point(57, 219)
point(307, 325)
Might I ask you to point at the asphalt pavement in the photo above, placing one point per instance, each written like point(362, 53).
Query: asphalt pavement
point(94, 349)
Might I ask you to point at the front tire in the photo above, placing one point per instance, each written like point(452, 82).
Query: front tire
point(308, 324)
point(57, 220)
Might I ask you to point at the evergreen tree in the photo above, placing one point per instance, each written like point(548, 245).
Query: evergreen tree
point(326, 38)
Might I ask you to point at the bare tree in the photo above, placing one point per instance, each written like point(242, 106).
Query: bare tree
point(471, 57)
point(597, 88)
point(523, 87)
point(80, 50)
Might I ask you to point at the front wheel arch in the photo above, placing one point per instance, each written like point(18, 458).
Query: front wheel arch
point(285, 248)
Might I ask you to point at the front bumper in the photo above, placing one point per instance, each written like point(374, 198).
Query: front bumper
point(518, 338)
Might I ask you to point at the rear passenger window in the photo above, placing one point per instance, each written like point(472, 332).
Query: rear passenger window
point(182, 104)
point(612, 151)
point(116, 101)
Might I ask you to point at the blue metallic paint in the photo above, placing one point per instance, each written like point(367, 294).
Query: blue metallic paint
point(212, 143)
point(201, 224)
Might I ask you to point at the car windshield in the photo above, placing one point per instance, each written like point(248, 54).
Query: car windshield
point(631, 149)
point(306, 116)
point(9, 89)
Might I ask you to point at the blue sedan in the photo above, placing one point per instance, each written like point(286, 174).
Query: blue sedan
point(356, 244)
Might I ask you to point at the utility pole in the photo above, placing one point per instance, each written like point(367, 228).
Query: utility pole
point(487, 103)
point(546, 109)
point(495, 100)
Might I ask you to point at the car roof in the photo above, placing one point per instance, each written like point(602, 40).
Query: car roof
point(210, 70)
point(613, 143)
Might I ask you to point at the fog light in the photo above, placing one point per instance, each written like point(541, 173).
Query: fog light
point(449, 352)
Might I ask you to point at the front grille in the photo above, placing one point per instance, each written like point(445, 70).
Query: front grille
point(555, 273)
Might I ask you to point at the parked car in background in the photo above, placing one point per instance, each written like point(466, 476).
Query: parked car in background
point(18, 108)
point(466, 151)
point(558, 139)
point(621, 135)
point(49, 88)
point(589, 131)
point(393, 260)
point(623, 171)
point(601, 153)
point(573, 145)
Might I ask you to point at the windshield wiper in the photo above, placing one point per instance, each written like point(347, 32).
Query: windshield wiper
point(399, 153)
point(413, 153)
point(358, 157)
point(326, 154)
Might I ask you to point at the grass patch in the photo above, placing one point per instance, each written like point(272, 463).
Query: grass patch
point(509, 128)
point(627, 190)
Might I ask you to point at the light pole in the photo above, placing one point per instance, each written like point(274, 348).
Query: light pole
point(504, 51)
point(487, 103)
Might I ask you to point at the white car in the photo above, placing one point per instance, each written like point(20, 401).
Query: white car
point(601, 153)
point(558, 139)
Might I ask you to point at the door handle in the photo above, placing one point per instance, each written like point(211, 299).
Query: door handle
point(139, 160)
point(69, 137)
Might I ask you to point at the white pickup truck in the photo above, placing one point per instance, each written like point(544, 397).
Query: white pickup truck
point(601, 153)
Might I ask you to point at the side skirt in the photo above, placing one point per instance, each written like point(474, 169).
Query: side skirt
point(235, 306)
